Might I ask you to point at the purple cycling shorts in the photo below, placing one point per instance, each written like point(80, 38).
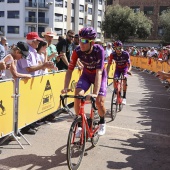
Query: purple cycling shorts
point(119, 72)
point(86, 79)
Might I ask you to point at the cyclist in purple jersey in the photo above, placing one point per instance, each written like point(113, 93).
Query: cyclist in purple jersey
point(92, 57)
point(123, 65)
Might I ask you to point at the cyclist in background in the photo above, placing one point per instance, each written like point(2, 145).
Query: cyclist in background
point(91, 55)
point(123, 65)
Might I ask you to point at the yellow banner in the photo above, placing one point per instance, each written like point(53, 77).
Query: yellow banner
point(39, 96)
point(6, 108)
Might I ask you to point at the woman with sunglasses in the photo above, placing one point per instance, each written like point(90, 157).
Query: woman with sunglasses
point(91, 55)
point(123, 65)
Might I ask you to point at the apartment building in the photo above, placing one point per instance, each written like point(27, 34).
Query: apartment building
point(18, 17)
point(151, 8)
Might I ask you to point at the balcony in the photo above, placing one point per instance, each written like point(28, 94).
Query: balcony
point(34, 5)
point(41, 20)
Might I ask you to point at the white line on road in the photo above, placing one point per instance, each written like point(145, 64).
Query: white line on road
point(139, 131)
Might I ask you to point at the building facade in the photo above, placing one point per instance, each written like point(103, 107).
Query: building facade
point(151, 8)
point(18, 17)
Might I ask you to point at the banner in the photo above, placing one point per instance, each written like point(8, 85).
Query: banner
point(6, 107)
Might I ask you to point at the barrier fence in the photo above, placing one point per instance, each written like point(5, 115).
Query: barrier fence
point(26, 101)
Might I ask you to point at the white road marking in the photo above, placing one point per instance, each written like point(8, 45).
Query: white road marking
point(139, 131)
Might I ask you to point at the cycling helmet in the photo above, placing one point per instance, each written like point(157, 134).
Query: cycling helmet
point(88, 33)
point(117, 44)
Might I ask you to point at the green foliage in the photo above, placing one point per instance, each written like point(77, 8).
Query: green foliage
point(165, 24)
point(122, 23)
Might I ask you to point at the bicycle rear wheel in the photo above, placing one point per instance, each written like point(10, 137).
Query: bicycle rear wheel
point(75, 146)
point(114, 106)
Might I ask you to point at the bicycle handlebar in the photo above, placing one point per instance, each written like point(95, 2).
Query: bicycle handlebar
point(92, 99)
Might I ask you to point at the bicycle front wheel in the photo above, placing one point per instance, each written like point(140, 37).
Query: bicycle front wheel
point(95, 138)
point(75, 146)
point(114, 106)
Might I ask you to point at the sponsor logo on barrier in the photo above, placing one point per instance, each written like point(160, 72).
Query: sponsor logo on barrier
point(73, 85)
point(2, 108)
point(47, 101)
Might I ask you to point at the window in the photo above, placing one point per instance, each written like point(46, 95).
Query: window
point(99, 13)
point(163, 8)
point(136, 9)
point(65, 17)
point(80, 21)
point(90, 11)
point(65, 4)
point(89, 1)
point(89, 23)
point(65, 31)
point(13, 1)
point(59, 3)
point(1, 13)
point(13, 29)
point(99, 24)
point(1, 0)
point(59, 31)
point(148, 10)
point(12, 14)
point(100, 2)
point(72, 6)
point(81, 8)
point(72, 19)
point(2, 29)
point(98, 35)
point(58, 17)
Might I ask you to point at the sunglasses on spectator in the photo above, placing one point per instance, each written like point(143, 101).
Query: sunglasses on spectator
point(71, 36)
point(85, 41)
point(117, 48)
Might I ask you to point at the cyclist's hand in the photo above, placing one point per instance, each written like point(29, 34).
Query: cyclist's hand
point(91, 95)
point(129, 73)
point(66, 90)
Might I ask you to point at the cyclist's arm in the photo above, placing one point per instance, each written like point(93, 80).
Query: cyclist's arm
point(71, 67)
point(97, 82)
point(109, 63)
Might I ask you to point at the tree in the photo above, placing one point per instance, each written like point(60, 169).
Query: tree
point(165, 24)
point(122, 23)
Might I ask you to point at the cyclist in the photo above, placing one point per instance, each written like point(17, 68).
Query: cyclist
point(123, 65)
point(91, 55)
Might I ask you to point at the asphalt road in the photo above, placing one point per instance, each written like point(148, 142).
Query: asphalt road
point(138, 139)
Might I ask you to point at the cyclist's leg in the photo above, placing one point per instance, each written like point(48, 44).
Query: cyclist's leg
point(100, 103)
point(116, 75)
point(124, 82)
point(82, 86)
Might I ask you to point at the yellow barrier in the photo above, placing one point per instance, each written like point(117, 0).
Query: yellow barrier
point(6, 107)
point(39, 96)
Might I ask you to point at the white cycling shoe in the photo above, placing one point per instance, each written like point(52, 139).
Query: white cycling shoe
point(124, 101)
point(102, 129)
point(78, 132)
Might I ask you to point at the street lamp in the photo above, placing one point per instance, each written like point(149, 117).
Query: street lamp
point(47, 3)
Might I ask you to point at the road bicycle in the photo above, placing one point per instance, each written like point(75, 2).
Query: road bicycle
point(89, 126)
point(118, 94)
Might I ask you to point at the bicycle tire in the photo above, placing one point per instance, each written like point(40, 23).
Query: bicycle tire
point(114, 107)
point(75, 150)
point(95, 138)
point(121, 93)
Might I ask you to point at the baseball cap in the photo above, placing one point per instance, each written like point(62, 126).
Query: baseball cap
point(33, 35)
point(24, 48)
point(76, 36)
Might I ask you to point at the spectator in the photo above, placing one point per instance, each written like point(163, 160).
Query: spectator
point(51, 49)
point(76, 41)
point(2, 47)
point(105, 52)
point(2, 66)
point(21, 50)
point(31, 65)
point(65, 48)
point(109, 50)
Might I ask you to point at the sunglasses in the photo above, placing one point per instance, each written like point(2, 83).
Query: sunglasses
point(85, 41)
point(117, 48)
point(70, 36)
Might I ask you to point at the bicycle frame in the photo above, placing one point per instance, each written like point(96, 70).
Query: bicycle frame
point(118, 88)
